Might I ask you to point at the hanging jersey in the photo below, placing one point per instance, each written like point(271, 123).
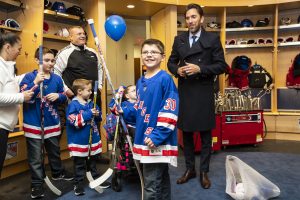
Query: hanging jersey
point(156, 117)
point(32, 109)
point(79, 125)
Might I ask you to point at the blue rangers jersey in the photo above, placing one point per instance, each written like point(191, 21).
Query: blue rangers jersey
point(129, 112)
point(32, 109)
point(156, 118)
point(79, 118)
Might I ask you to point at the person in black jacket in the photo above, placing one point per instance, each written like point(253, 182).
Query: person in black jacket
point(196, 58)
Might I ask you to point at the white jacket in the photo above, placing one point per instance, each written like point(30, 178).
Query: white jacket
point(10, 98)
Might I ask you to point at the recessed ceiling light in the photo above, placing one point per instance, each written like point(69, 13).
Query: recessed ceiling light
point(250, 5)
point(130, 6)
point(202, 6)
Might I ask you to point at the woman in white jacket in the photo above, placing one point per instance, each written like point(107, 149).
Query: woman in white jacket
point(10, 98)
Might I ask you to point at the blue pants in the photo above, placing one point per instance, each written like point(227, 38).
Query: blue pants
point(157, 181)
point(34, 155)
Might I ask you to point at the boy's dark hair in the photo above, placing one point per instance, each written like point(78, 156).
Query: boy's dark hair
point(45, 51)
point(196, 6)
point(8, 37)
point(79, 84)
point(155, 42)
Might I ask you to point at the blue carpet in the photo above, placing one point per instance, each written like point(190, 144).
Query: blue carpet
point(281, 169)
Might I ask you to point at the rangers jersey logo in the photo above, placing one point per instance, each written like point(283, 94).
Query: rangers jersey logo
point(148, 130)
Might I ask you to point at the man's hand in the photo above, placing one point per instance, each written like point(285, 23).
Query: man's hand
point(181, 71)
point(191, 69)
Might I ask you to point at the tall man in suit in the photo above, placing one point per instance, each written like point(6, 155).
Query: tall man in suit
point(197, 57)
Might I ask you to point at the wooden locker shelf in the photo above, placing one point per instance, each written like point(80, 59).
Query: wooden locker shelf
point(10, 29)
point(55, 37)
point(267, 28)
point(10, 6)
point(241, 46)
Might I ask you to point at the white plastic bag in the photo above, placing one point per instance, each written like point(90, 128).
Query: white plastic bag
point(245, 183)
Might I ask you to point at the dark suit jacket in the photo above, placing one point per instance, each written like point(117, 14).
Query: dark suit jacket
point(196, 93)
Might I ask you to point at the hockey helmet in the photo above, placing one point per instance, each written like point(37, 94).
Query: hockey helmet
point(233, 24)
point(63, 32)
point(246, 23)
point(12, 23)
point(75, 10)
point(213, 25)
point(285, 21)
point(59, 7)
point(47, 4)
point(262, 22)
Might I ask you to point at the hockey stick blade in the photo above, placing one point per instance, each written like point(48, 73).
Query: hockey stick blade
point(91, 179)
point(101, 179)
point(52, 187)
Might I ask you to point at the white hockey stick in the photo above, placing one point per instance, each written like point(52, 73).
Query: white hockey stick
point(91, 23)
point(88, 173)
point(46, 179)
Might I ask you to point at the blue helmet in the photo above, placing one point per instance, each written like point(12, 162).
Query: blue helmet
point(59, 7)
point(246, 23)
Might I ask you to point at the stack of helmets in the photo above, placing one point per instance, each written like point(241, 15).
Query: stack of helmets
point(59, 7)
point(213, 25)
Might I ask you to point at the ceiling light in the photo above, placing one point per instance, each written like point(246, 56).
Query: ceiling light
point(202, 6)
point(250, 5)
point(130, 6)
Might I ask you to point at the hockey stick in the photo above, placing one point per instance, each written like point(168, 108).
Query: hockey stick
point(99, 180)
point(88, 173)
point(54, 189)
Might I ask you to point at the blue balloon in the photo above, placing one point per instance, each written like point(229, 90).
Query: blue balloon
point(115, 27)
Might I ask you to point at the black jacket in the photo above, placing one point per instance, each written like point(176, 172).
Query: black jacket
point(196, 92)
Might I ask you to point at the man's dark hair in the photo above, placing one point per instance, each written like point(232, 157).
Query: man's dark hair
point(155, 42)
point(9, 37)
point(196, 6)
point(45, 51)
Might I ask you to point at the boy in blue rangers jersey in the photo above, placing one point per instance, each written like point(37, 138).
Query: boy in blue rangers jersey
point(53, 95)
point(155, 143)
point(80, 113)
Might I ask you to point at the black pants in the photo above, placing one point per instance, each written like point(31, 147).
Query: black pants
point(189, 149)
point(81, 166)
point(3, 146)
point(34, 155)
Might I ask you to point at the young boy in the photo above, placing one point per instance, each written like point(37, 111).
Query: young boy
point(155, 143)
point(53, 94)
point(81, 118)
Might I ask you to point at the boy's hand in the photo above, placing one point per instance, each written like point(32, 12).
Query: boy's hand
point(149, 142)
point(52, 97)
point(40, 77)
point(95, 112)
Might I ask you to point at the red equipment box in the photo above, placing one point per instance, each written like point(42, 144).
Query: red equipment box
point(244, 127)
point(216, 137)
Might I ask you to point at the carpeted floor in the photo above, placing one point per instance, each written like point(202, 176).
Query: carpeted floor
point(277, 161)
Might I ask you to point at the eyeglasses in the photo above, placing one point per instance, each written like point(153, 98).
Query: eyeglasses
point(152, 53)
